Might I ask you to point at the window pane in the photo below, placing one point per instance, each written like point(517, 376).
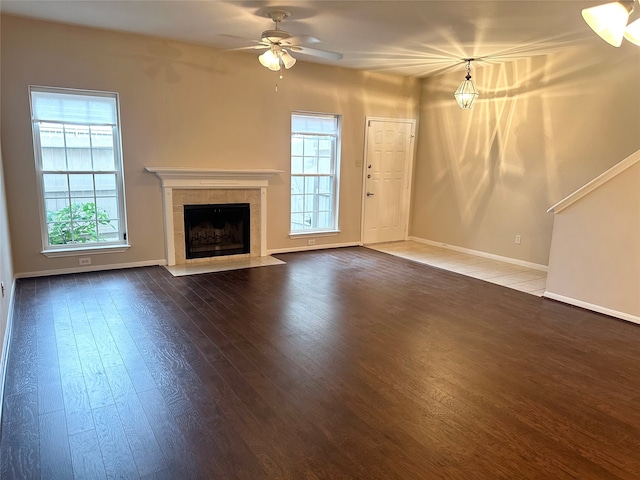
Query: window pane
point(310, 165)
point(324, 165)
point(324, 202)
point(310, 203)
point(324, 220)
point(107, 208)
point(326, 185)
point(59, 233)
point(314, 123)
point(296, 145)
point(78, 147)
point(102, 144)
point(54, 159)
point(297, 185)
point(52, 144)
point(310, 220)
point(84, 232)
point(57, 209)
point(310, 185)
point(297, 219)
point(81, 185)
point(325, 146)
point(297, 203)
point(55, 186)
point(310, 146)
point(296, 165)
point(105, 184)
point(51, 135)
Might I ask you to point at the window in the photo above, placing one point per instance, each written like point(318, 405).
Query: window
point(76, 137)
point(315, 147)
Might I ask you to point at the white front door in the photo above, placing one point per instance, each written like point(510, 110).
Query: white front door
point(387, 180)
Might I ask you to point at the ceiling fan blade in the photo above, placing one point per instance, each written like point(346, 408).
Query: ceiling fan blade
point(254, 47)
point(316, 53)
point(298, 39)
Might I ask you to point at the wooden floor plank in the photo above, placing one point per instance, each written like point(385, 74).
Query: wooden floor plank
point(345, 363)
point(55, 454)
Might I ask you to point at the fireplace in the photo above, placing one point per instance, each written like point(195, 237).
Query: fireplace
point(207, 186)
point(216, 230)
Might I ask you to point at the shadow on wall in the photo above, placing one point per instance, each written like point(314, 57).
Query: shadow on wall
point(521, 129)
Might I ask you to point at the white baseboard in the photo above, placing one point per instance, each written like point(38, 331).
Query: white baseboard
point(590, 306)
point(91, 268)
point(6, 341)
point(312, 247)
point(514, 261)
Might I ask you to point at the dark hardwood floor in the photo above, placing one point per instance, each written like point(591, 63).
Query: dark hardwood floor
point(341, 364)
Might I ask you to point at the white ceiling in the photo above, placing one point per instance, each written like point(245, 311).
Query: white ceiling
point(416, 38)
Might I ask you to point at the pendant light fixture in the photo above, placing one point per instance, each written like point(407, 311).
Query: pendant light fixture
point(609, 21)
point(466, 93)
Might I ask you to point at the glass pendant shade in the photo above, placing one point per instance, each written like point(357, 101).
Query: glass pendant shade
point(632, 32)
point(270, 60)
point(287, 60)
point(608, 21)
point(466, 93)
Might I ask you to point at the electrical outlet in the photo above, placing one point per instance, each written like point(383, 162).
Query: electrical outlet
point(84, 260)
point(518, 239)
point(311, 241)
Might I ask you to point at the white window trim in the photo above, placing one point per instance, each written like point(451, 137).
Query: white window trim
point(91, 250)
point(335, 229)
point(314, 233)
point(68, 250)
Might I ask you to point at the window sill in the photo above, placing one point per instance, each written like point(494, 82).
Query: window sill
point(319, 233)
point(78, 251)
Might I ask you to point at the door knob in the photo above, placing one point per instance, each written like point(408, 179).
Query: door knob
point(369, 194)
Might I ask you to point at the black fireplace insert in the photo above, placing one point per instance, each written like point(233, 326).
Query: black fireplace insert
point(216, 230)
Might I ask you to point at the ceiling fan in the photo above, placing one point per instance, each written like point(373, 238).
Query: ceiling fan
point(279, 42)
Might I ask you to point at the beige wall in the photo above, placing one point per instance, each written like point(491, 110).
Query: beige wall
point(181, 105)
point(542, 127)
point(595, 251)
point(6, 267)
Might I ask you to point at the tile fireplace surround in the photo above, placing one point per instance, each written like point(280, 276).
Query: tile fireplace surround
point(198, 186)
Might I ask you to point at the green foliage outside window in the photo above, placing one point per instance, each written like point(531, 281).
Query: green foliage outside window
point(76, 224)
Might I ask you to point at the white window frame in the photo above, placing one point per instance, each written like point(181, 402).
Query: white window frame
point(335, 174)
point(77, 249)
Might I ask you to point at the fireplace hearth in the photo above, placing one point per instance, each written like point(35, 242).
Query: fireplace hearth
point(216, 230)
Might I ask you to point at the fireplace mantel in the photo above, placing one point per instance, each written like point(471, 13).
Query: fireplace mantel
point(178, 177)
point(202, 179)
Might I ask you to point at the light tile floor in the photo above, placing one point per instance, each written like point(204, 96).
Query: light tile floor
point(506, 274)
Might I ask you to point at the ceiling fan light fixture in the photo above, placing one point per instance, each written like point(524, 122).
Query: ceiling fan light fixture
point(270, 60)
point(609, 20)
point(466, 93)
point(632, 32)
